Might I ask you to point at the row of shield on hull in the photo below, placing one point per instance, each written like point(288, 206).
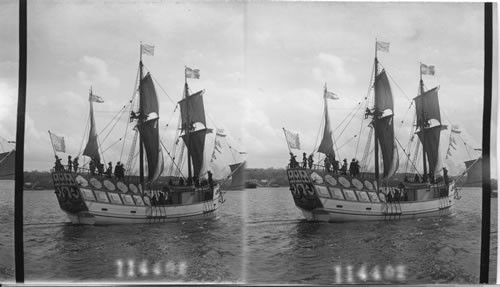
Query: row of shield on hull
point(326, 197)
point(93, 200)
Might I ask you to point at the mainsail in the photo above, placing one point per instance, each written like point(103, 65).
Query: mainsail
point(193, 111)
point(326, 145)
point(429, 123)
point(148, 127)
point(92, 148)
point(384, 124)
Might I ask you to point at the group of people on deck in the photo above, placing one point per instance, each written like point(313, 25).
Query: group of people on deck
point(331, 164)
point(430, 178)
point(72, 164)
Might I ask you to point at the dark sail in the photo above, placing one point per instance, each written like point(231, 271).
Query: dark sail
point(427, 107)
point(429, 123)
point(237, 175)
point(7, 164)
point(384, 125)
point(92, 148)
point(326, 146)
point(195, 142)
point(192, 109)
point(148, 128)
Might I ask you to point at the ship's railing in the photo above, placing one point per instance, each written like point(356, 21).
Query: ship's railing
point(321, 168)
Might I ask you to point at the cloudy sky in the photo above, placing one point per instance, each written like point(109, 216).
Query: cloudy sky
point(263, 67)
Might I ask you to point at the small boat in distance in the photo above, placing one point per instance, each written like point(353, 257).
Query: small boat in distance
point(88, 195)
point(338, 194)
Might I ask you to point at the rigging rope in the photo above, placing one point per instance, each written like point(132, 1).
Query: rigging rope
point(132, 102)
point(158, 83)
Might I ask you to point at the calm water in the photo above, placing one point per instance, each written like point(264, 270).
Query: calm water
point(264, 240)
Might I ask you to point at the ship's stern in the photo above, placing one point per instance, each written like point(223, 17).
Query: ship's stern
point(302, 190)
point(70, 198)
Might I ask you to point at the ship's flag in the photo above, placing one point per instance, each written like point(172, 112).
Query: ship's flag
point(96, 99)
point(57, 142)
point(331, 95)
point(427, 70)
point(292, 139)
point(383, 46)
point(148, 49)
point(192, 73)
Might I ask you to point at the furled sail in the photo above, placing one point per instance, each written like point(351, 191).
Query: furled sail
point(384, 124)
point(148, 128)
point(429, 121)
point(195, 142)
point(92, 148)
point(326, 145)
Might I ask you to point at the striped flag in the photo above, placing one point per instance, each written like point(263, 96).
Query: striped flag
point(96, 99)
point(57, 142)
point(427, 70)
point(148, 49)
point(330, 95)
point(192, 73)
point(383, 46)
point(292, 139)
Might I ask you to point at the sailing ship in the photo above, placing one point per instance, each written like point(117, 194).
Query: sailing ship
point(352, 195)
point(90, 197)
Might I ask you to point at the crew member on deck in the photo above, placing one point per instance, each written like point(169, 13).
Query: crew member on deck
point(100, 168)
point(117, 170)
point(92, 167)
point(310, 161)
point(352, 168)
point(59, 165)
point(109, 171)
point(70, 163)
point(343, 170)
point(210, 180)
point(304, 160)
point(293, 161)
point(445, 175)
point(75, 164)
point(327, 163)
point(335, 166)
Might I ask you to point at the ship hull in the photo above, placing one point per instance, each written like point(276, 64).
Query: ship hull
point(93, 200)
point(339, 198)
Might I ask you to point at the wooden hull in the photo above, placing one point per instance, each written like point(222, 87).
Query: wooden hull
point(100, 201)
point(336, 198)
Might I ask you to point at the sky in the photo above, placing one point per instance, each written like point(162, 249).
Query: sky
point(263, 67)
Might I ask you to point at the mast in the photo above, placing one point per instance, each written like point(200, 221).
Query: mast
point(187, 128)
point(422, 124)
point(375, 115)
point(140, 120)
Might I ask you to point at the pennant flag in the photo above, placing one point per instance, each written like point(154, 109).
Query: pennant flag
point(57, 142)
point(330, 95)
point(96, 99)
point(292, 139)
point(192, 73)
point(427, 70)
point(455, 129)
point(383, 46)
point(148, 49)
